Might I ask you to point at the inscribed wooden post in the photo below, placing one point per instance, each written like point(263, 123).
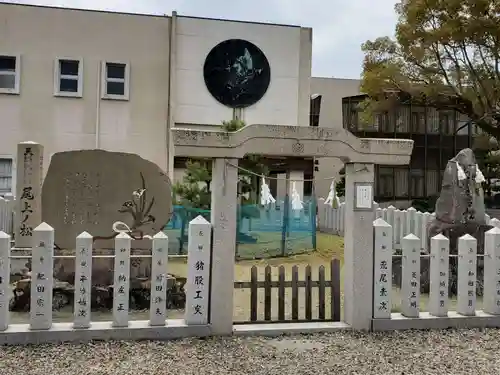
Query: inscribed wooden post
point(439, 275)
point(382, 272)
point(159, 263)
point(83, 280)
point(42, 279)
point(121, 286)
point(410, 282)
point(198, 282)
point(467, 263)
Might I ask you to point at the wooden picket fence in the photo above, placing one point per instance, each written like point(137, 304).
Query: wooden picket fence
point(322, 284)
point(439, 314)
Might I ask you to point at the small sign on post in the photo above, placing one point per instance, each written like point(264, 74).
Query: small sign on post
point(83, 280)
point(42, 279)
point(198, 282)
point(159, 280)
point(363, 196)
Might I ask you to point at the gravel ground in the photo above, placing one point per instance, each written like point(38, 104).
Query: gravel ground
point(411, 352)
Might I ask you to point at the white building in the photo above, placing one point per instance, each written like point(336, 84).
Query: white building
point(326, 112)
point(79, 79)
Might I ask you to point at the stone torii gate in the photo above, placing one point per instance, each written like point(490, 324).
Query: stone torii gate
point(360, 156)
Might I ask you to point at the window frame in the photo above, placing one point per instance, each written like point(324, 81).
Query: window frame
point(17, 75)
point(12, 176)
point(58, 77)
point(125, 80)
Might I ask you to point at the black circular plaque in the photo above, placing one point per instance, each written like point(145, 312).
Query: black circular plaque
point(237, 73)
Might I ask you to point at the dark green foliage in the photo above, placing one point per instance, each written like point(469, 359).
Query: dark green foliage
point(194, 190)
point(425, 205)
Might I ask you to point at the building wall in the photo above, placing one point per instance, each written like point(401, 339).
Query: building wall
point(288, 50)
point(40, 35)
point(437, 134)
point(332, 91)
point(152, 46)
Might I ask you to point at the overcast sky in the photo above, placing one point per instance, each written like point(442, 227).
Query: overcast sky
point(339, 26)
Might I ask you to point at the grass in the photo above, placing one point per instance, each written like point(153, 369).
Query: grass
point(328, 247)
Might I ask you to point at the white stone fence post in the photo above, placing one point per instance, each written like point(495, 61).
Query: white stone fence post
point(197, 285)
point(404, 222)
point(439, 299)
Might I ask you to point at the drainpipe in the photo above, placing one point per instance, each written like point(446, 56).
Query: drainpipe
point(172, 56)
point(98, 108)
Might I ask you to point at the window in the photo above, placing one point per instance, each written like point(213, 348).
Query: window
point(386, 182)
point(68, 78)
point(353, 120)
point(385, 123)
point(115, 81)
point(314, 110)
point(417, 183)
point(401, 181)
point(5, 176)
point(9, 74)
point(445, 126)
point(418, 122)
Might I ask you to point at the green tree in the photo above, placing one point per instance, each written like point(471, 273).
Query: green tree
point(194, 190)
point(446, 54)
point(340, 185)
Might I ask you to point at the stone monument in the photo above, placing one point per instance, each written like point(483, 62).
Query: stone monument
point(104, 193)
point(460, 210)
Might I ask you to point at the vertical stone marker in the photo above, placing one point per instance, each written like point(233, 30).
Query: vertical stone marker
point(491, 294)
point(42, 277)
point(410, 288)
point(439, 276)
point(467, 266)
point(83, 280)
point(198, 282)
point(121, 286)
point(28, 191)
point(382, 304)
point(159, 263)
point(5, 290)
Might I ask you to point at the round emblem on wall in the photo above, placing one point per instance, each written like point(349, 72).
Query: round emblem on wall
point(237, 73)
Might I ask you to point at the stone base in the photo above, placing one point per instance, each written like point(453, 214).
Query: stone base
point(20, 334)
